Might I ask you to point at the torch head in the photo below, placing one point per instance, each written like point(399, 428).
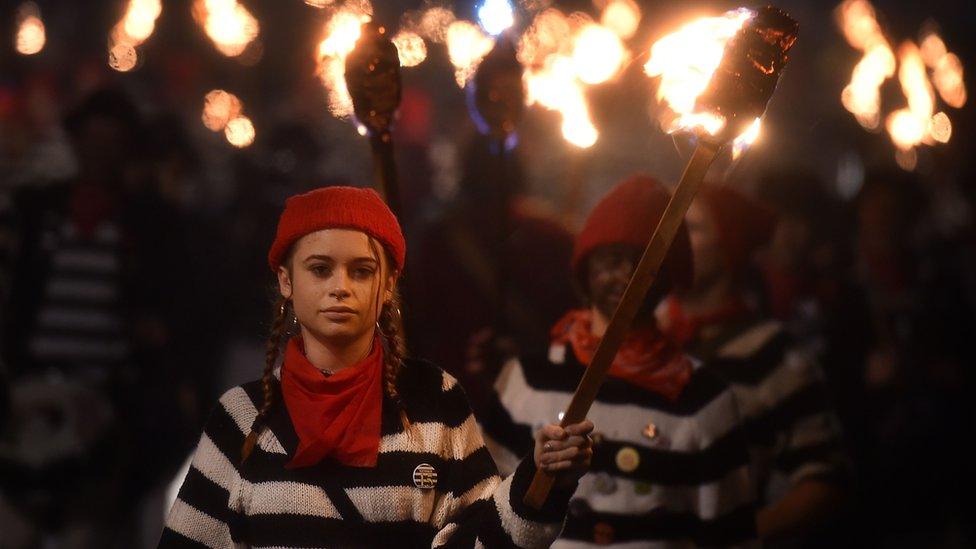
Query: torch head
point(373, 79)
point(751, 65)
point(498, 91)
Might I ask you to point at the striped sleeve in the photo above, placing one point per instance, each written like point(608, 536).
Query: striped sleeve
point(207, 511)
point(486, 510)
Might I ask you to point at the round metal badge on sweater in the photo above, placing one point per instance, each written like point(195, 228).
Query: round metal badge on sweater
point(627, 459)
point(425, 476)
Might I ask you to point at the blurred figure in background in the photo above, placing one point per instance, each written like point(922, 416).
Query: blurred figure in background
point(89, 334)
point(496, 258)
point(798, 462)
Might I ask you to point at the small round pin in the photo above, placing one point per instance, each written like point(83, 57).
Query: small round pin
point(425, 476)
point(627, 459)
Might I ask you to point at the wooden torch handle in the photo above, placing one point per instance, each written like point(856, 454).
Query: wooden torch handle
point(630, 303)
point(384, 169)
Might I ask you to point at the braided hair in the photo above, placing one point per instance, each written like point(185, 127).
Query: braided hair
point(389, 324)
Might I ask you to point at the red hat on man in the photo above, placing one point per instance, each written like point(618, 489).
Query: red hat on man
point(628, 214)
point(338, 208)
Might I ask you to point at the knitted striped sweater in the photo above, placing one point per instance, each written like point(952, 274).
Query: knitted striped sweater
point(664, 474)
point(793, 432)
point(435, 484)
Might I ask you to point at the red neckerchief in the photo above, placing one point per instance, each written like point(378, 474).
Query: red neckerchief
point(646, 358)
point(683, 328)
point(336, 416)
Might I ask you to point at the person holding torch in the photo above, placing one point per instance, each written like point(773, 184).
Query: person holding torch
point(670, 463)
point(348, 443)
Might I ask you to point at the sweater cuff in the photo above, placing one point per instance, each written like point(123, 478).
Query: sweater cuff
point(553, 510)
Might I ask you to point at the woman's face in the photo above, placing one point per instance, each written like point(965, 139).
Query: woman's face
point(335, 280)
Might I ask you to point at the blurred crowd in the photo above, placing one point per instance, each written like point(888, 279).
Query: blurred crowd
point(131, 298)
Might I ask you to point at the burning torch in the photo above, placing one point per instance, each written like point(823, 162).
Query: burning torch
point(373, 79)
point(735, 96)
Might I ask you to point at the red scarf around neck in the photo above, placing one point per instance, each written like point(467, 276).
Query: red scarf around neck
point(336, 416)
point(684, 328)
point(646, 358)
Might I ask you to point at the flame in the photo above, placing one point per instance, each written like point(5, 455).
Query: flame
point(946, 70)
point(746, 139)
point(910, 126)
point(240, 132)
point(598, 54)
point(136, 26)
point(941, 128)
point(862, 96)
point(432, 23)
point(319, 3)
point(467, 45)
point(31, 35)
point(556, 87)
point(229, 25)
point(219, 108)
point(341, 33)
point(685, 61)
point(496, 16)
point(411, 48)
point(622, 17)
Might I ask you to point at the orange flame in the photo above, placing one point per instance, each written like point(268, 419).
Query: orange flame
point(621, 16)
point(229, 25)
point(910, 126)
point(341, 33)
point(685, 61)
point(947, 71)
point(135, 27)
point(219, 108)
point(741, 143)
point(862, 96)
point(467, 45)
point(410, 47)
point(31, 35)
point(598, 54)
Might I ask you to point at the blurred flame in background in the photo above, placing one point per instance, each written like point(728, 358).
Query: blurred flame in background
point(411, 48)
point(742, 143)
point(685, 61)
point(240, 132)
point(563, 54)
point(946, 70)
point(467, 45)
point(319, 3)
point(620, 16)
point(862, 96)
point(229, 25)
point(31, 36)
point(920, 68)
point(219, 108)
point(341, 33)
point(135, 27)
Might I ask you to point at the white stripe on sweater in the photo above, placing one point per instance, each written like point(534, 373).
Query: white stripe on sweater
point(525, 533)
point(239, 406)
point(291, 498)
point(213, 464)
point(433, 438)
point(448, 505)
point(505, 459)
point(621, 422)
point(198, 526)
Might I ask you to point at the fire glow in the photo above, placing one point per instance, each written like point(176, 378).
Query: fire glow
point(341, 33)
point(685, 61)
point(31, 35)
point(229, 25)
point(862, 96)
point(467, 45)
point(135, 27)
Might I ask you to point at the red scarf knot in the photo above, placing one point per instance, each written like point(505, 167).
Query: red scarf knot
point(646, 358)
point(336, 416)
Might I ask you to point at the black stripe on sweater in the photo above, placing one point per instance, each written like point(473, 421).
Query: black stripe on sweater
point(174, 540)
point(497, 422)
point(205, 495)
point(542, 375)
point(660, 524)
point(310, 531)
point(755, 368)
point(805, 402)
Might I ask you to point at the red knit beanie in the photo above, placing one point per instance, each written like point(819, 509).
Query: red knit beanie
point(338, 208)
point(742, 223)
point(628, 214)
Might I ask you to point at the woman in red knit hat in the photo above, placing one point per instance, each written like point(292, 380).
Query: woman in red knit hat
point(670, 465)
point(348, 443)
point(795, 442)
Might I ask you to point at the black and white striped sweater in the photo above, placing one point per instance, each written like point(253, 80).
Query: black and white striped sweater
point(793, 431)
point(664, 474)
point(435, 484)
